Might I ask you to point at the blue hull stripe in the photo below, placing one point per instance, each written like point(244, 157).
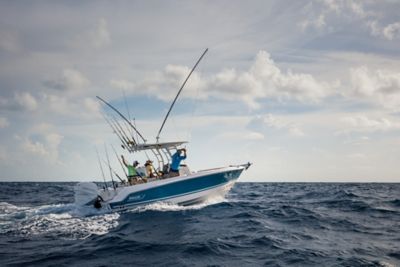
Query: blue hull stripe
point(177, 189)
point(162, 199)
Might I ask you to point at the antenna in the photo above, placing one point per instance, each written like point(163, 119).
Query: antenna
point(179, 92)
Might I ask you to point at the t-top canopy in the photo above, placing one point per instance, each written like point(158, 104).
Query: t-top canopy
point(165, 145)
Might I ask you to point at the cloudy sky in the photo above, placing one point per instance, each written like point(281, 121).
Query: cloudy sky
point(306, 90)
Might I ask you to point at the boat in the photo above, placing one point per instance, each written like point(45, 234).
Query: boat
point(186, 187)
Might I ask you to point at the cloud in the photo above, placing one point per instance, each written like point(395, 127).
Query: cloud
point(334, 14)
point(26, 101)
point(161, 84)
point(122, 84)
point(317, 23)
point(42, 140)
point(78, 108)
point(4, 122)
point(101, 36)
point(348, 8)
point(379, 86)
point(362, 123)
point(389, 32)
point(71, 81)
point(92, 106)
point(246, 136)
point(33, 147)
point(392, 31)
point(19, 101)
point(277, 123)
point(264, 79)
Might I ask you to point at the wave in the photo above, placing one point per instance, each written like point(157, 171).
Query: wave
point(258, 224)
point(395, 202)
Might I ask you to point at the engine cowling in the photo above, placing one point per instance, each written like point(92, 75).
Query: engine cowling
point(85, 193)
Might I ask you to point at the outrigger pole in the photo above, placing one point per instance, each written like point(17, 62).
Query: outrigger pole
point(179, 92)
point(122, 116)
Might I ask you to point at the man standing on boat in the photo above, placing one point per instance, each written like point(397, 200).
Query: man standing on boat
point(133, 175)
point(176, 162)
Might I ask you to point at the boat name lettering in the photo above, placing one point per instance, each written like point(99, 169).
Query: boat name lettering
point(136, 198)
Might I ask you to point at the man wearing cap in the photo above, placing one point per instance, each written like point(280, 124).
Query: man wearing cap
point(179, 155)
point(133, 176)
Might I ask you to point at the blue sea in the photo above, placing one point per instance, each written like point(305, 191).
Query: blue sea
point(257, 224)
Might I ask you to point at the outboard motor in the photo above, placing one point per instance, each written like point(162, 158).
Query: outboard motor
point(97, 202)
point(86, 193)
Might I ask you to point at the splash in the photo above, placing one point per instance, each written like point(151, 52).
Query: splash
point(67, 221)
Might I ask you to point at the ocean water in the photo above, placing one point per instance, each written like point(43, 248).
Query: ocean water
point(257, 224)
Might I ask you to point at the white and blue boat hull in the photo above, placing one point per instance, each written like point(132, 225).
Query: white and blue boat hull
point(183, 190)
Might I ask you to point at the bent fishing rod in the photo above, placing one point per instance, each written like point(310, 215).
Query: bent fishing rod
point(179, 92)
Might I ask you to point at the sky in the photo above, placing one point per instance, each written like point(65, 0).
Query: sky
point(308, 91)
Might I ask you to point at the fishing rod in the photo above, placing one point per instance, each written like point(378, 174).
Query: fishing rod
point(115, 131)
point(116, 174)
point(129, 131)
point(134, 123)
point(108, 161)
point(101, 168)
point(179, 92)
point(122, 132)
point(127, 110)
point(120, 126)
point(119, 160)
point(122, 116)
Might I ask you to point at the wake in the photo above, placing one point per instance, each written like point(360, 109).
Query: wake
point(67, 221)
point(71, 221)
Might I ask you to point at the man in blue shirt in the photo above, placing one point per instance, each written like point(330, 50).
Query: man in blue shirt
point(176, 162)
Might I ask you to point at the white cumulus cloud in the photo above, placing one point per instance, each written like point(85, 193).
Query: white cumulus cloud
point(377, 86)
point(278, 123)
point(71, 81)
point(42, 140)
point(264, 79)
point(26, 101)
point(390, 31)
